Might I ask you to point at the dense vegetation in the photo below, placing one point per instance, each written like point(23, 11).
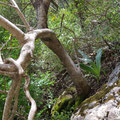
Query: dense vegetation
point(80, 25)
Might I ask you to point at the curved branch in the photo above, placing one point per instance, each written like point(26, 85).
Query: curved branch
point(12, 29)
point(33, 103)
point(45, 33)
point(51, 41)
point(19, 67)
point(54, 44)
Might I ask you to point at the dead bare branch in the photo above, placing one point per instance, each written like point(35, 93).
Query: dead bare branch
point(21, 15)
point(5, 92)
point(27, 93)
point(6, 43)
point(7, 4)
point(20, 25)
point(61, 24)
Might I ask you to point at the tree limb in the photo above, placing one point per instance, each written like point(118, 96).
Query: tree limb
point(7, 4)
point(13, 29)
point(55, 3)
point(33, 103)
point(21, 15)
point(6, 43)
point(18, 25)
point(1, 91)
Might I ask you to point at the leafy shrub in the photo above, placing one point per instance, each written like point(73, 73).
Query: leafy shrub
point(62, 116)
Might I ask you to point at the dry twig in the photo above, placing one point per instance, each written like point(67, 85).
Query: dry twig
point(5, 43)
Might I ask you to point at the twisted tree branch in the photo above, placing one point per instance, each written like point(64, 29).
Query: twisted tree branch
point(27, 93)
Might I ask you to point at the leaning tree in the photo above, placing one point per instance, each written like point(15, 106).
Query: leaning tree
point(16, 68)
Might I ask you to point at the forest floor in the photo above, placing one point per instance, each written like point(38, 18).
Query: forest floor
point(110, 58)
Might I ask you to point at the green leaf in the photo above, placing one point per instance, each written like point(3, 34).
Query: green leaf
point(86, 60)
point(98, 59)
point(93, 65)
point(87, 68)
point(85, 57)
point(83, 54)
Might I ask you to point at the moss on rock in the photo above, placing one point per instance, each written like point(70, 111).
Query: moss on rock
point(69, 98)
point(65, 101)
point(98, 98)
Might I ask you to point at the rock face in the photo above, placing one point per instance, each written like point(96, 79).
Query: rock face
point(104, 105)
point(96, 110)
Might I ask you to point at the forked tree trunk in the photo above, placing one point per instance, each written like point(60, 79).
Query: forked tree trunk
point(74, 71)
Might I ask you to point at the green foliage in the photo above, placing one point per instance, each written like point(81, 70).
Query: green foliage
point(42, 80)
point(62, 116)
point(42, 92)
point(93, 67)
point(68, 31)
